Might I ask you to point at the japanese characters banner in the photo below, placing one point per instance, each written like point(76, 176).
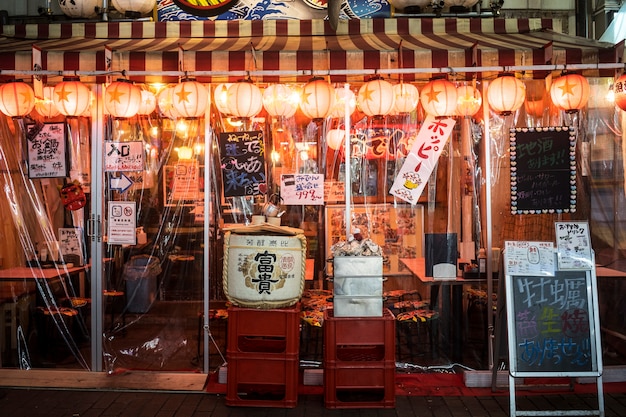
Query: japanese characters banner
point(422, 159)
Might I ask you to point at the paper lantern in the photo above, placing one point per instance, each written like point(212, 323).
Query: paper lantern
point(244, 100)
point(17, 99)
point(45, 105)
point(148, 102)
point(406, 98)
point(619, 91)
point(220, 97)
point(506, 94)
point(190, 98)
point(535, 108)
point(468, 100)
point(122, 98)
point(280, 100)
point(134, 7)
point(165, 103)
point(71, 97)
point(335, 138)
point(570, 92)
point(458, 5)
point(341, 97)
point(86, 9)
point(376, 97)
point(438, 98)
point(318, 99)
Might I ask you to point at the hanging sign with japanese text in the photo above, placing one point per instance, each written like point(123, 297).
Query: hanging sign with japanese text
point(306, 189)
point(242, 161)
point(123, 156)
point(47, 155)
point(422, 159)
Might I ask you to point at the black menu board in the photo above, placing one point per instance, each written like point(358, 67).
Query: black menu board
point(543, 170)
point(242, 162)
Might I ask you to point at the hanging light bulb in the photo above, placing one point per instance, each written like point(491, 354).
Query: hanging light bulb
point(506, 94)
point(342, 96)
point(71, 97)
point(570, 92)
point(122, 98)
point(280, 100)
point(190, 98)
point(468, 100)
point(376, 98)
point(245, 99)
point(438, 98)
point(45, 105)
point(318, 98)
point(406, 97)
point(17, 99)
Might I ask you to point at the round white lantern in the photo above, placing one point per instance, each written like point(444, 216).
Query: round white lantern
point(318, 98)
point(220, 97)
point(140, 7)
point(122, 98)
point(45, 105)
point(165, 102)
point(343, 95)
point(570, 92)
point(17, 99)
point(148, 102)
point(86, 9)
point(506, 94)
point(468, 100)
point(406, 97)
point(335, 138)
point(376, 97)
point(191, 98)
point(71, 97)
point(438, 98)
point(244, 100)
point(280, 100)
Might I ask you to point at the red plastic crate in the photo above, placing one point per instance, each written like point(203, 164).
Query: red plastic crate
point(261, 381)
point(367, 385)
point(273, 331)
point(359, 339)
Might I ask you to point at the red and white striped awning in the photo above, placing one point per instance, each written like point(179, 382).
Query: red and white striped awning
point(291, 50)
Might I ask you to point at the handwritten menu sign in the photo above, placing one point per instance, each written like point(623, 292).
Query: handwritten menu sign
point(242, 161)
point(70, 242)
point(553, 325)
point(573, 245)
point(529, 258)
point(123, 156)
point(47, 155)
point(305, 189)
point(543, 170)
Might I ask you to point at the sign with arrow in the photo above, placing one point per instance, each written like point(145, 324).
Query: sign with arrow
point(121, 183)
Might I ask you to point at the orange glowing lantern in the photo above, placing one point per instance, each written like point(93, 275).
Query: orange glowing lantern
point(17, 99)
point(71, 97)
point(220, 97)
point(190, 98)
point(165, 102)
point(376, 97)
point(45, 105)
point(343, 97)
point(244, 100)
point(280, 100)
point(619, 91)
point(570, 92)
point(122, 98)
point(468, 100)
point(148, 102)
point(318, 99)
point(406, 97)
point(506, 94)
point(335, 138)
point(438, 98)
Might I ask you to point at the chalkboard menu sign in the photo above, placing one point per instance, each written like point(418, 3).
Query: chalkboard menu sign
point(553, 324)
point(543, 170)
point(242, 161)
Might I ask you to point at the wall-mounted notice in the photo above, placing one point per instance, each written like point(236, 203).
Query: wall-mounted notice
point(123, 156)
point(242, 161)
point(71, 242)
point(47, 155)
point(306, 189)
point(529, 258)
point(573, 245)
point(122, 223)
point(543, 170)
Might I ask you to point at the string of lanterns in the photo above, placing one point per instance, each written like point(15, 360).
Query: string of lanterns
point(317, 99)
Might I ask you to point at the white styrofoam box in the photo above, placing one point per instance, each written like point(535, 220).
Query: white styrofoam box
point(358, 266)
point(358, 286)
point(354, 306)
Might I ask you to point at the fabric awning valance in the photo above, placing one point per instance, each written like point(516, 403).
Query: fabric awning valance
point(289, 50)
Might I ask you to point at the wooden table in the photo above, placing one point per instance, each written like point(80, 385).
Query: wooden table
point(19, 273)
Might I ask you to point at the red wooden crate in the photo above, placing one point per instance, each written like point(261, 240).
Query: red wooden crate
point(367, 385)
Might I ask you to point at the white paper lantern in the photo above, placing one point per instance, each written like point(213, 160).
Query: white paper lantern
point(280, 100)
point(570, 92)
point(148, 102)
point(335, 138)
point(45, 105)
point(71, 97)
point(140, 7)
point(220, 97)
point(190, 98)
point(343, 95)
point(17, 99)
point(406, 97)
point(438, 98)
point(468, 100)
point(318, 98)
point(122, 98)
point(86, 9)
point(506, 94)
point(165, 103)
point(245, 99)
point(376, 97)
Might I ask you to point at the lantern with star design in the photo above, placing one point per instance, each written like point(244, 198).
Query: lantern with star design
point(122, 98)
point(376, 97)
point(17, 99)
point(71, 97)
point(280, 100)
point(190, 98)
point(318, 99)
point(148, 102)
point(468, 100)
point(570, 92)
point(45, 105)
point(406, 97)
point(438, 98)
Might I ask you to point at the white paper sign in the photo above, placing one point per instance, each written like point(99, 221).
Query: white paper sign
point(70, 242)
point(529, 258)
point(422, 159)
point(123, 156)
point(305, 189)
point(122, 223)
point(573, 245)
point(46, 150)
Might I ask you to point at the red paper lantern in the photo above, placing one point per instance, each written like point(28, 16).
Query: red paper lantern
point(318, 99)
point(506, 94)
point(71, 97)
point(570, 92)
point(45, 105)
point(122, 98)
point(190, 98)
point(244, 100)
point(17, 99)
point(438, 98)
point(376, 97)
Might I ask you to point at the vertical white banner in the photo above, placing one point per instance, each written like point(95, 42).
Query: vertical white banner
point(37, 66)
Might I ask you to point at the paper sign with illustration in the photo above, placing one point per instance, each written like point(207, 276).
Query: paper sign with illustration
point(305, 189)
point(573, 245)
point(420, 162)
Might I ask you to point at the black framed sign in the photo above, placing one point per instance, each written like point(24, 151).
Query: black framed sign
point(47, 150)
point(543, 170)
point(242, 161)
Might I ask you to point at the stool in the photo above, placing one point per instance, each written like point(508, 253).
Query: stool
point(111, 299)
point(411, 323)
point(52, 322)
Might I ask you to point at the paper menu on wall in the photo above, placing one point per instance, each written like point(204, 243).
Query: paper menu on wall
point(70, 242)
point(573, 245)
point(529, 258)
